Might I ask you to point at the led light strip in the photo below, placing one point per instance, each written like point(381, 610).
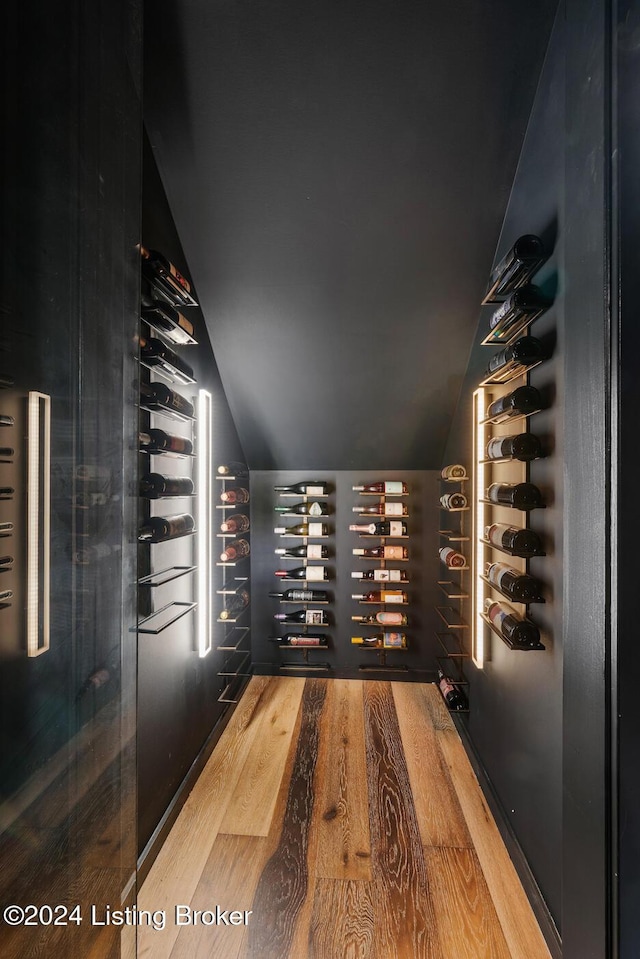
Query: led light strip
point(479, 523)
point(38, 521)
point(204, 518)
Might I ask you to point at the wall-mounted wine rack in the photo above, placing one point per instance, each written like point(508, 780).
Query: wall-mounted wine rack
point(234, 586)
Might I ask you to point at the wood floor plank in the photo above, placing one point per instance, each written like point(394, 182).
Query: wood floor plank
point(179, 865)
point(438, 810)
point(250, 808)
point(468, 927)
point(344, 841)
point(283, 884)
point(519, 925)
point(342, 924)
point(404, 914)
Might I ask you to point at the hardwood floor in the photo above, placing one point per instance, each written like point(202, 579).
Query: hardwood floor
point(345, 819)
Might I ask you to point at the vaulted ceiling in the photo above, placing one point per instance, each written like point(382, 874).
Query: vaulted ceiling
point(338, 172)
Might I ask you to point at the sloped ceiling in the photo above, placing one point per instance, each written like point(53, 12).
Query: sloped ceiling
point(338, 171)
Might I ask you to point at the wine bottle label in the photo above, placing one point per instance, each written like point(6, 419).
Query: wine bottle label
point(314, 574)
point(493, 493)
point(304, 641)
point(315, 490)
point(395, 528)
point(394, 552)
point(392, 488)
point(389, 619)
point(300, 595)
point(315, 529)
point(501, 312)
point(391, 596)
point(393, 509)
point(387, 575)
point(499, 360)
point(393, 640)
point(455, 471)
point(314, 617)
point(314, 551)
point(450, 557)
point(495, 448)
point(315, 509)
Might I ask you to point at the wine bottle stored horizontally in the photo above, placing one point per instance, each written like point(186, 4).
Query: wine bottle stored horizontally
point(235, 550)
point(515, 268)
point(156, 353)
point(161, 265)
point(520, 402)
point(6, 420)
point(232, 497)
point(454, 472)
point(299, 639)
point(6, 595)
point(157, 441)
point(521, 446)
point(453, 501)
point(451, 558)
point(235, 604)
point(158, 396)
point(382, 575)
point(523, 306)
point(6, 562)
point(157, 529)
point(168, 321)
point(381, 509)
point(519, 586)
point(517, 542)
point(302, 596)
point(389, 488)
point(233, 469)
point(523, 353)
point(515, 629)
point(312, 574)
point(390, 528)
point(382, 596)
point(523, 496)
point(303, 529)
point(305, 509)
point(306, 488)
point(385, 640)
point(236, 523)
point(382, 552)
point(309, 551)
point(451, 692)
point(382, 618)
point(154, 485)
point(308, 617)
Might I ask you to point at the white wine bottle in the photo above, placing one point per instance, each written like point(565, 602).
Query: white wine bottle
point(385, 640)
point(389, 488)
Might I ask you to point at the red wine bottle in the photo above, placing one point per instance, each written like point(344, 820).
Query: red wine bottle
point(518, 631)
point(299, 639)
point(451, 558)
point(168, 321)
point(382, 552)
point(522, 446)
point(156, 353)
point(523, 306)
point(235, 550)
point(389, 488)
point(302, 596)
point(523, 353)
point(161, 266)
point(382, 618)
point(519, 586)
point(391, 528)
point(308, 617)
point(382, 596)
point(235, 496)
point(310, 551)
point(453, 695)
point(515, 268)
point(157, 529)
point(233, 469)
point(237, 523)
point(312, 574)
point(517, 542)
point(382, 509)
point(382, 575)
point(523, 496)
point(453, 501)
point(235, 604)
point(520, 402)
point(307, 488)
point(154, 485)
point(158, 396)
point(385, 640)
point(305, 509)
point(157, 441)
point(454, 472)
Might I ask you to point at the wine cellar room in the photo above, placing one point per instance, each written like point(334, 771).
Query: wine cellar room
point(317, 480)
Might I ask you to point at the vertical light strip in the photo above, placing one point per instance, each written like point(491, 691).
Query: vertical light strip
point(479, 522)
point(204, 525)
point(38, 521)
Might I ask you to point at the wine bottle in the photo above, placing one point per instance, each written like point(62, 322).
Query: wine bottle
point(382, 552)
point(168, 321)
point(310, 551)
point(6, 562)
point(305, 509)
point(382, 509)
point(157, 441)
point(6, 595)
point(520, 587)
point(6, 451)
point(303, 529)
point(382, 575)
point(518, 542)
point(236, 523)
point(385, 640)
point(451, 558)
point(389, 488)
point(453, 695)
point(382, 596)
point(235, 604)
point(520, 402)
point(382, 618)
point(161, 266)
point(308, 617)
point(156, 353)
point(157, 529)
point(391, 528)
point(6, 492)
point(519, 631)
point(154, 485)
point(521, 446)
point(454, 472)
point(302, 596)
point(307, 488)
point(525, 304)
point(452, 501)
point(6, 528)
point(312, 574)
point(6, 420)
point(523, 496)
point(233, 469)
point(300, 639)
point(521, 354)
point(235, 496)
point(515, 268)
point(159, 396)
point(235, 550)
